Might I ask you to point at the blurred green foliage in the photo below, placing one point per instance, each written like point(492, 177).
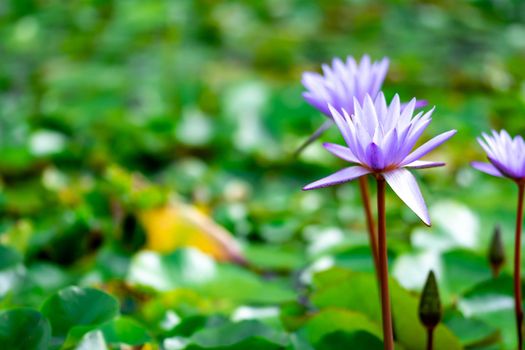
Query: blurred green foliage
point(203, 97)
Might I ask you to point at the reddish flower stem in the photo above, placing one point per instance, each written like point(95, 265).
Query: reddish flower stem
point(388, 336)
point(518, 308)
point(370, 224)
point(430, 338)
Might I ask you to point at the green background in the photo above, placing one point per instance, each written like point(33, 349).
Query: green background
point(204, 98)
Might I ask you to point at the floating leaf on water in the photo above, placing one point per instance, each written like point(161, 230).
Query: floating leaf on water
point(75, 306)
point(24, 329)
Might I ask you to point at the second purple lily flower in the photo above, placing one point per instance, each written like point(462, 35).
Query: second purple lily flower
point(379, 140)
point(341, 84)
point(506, 157)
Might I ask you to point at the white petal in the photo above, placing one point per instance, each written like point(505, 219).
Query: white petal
point(405, 186)
point(487, 168)
point(422, 164)
point(428, 146)
point(341, 152)
point(344, 175)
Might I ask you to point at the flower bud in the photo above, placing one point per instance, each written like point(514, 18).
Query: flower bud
point(430, 304)
point(496, 254)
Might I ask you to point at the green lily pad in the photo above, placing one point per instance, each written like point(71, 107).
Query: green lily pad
point(125, 330)
point(75, 306)
point(462, 269)
point(192, 324)
point(24, 329)
point(11, 270)
point(331, 320)
point(364, 298)
point(248, 287)
point(357, 291)
point(293, 315)
point(358, 340)
point(274, 256)
point(471, 331)
point(189, 268)
point(180, 269)
point(356, 258)
point(243, 335)
point(492, 302)
point(8, 257)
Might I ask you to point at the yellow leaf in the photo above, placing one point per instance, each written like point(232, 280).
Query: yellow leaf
point(178, 224)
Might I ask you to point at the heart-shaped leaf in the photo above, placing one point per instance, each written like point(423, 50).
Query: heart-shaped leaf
point(75, 306)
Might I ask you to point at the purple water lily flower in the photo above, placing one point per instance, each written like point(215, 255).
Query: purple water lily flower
point(380, 139)
point(341, 84)
point(506, 156)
